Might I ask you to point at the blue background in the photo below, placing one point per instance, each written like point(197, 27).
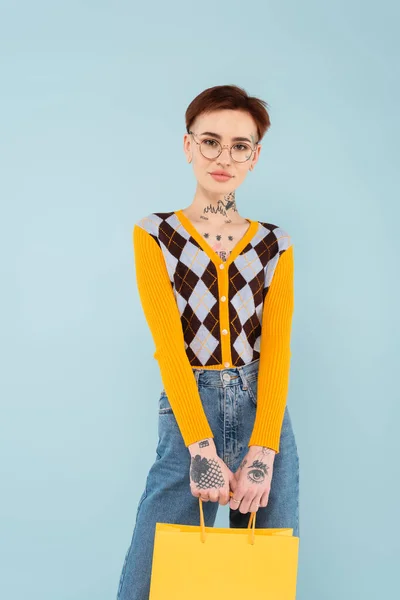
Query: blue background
point(93, 96)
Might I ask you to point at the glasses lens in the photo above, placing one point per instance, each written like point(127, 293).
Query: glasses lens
point(241, 152)
point(210, 148)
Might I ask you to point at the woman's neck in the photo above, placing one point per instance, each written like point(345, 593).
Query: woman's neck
point(214, 211)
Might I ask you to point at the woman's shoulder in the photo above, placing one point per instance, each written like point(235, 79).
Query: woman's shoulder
point(151, 222)
point(275, 234)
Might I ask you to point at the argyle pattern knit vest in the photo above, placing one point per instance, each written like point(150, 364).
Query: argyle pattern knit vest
point(218, 302)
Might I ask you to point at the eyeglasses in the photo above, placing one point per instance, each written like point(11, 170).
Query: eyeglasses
point(211, 149)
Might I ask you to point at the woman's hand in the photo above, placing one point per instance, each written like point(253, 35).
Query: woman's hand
point(210, 478)
point(252, 481)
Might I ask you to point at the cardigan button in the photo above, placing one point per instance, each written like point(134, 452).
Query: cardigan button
point(222, 266)
point(223, 298)
point(227, 364)
point(224, 331)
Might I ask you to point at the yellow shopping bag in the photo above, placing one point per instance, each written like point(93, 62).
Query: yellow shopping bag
point(195, 562)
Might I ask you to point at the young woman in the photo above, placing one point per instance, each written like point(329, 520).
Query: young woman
point(217, 291)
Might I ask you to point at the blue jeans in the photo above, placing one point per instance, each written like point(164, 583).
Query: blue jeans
point(229, 398)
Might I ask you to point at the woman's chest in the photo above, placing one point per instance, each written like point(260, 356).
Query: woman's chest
point(222, 240)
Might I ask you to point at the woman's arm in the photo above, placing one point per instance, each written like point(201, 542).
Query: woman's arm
point(274, 367)
point(162, 315)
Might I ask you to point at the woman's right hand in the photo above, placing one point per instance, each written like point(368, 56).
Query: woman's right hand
point(210, 478)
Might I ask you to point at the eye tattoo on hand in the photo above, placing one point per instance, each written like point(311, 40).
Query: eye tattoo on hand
point(258, 472)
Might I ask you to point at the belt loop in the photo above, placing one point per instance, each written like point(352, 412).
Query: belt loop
point(197, 373)
point(243, 377)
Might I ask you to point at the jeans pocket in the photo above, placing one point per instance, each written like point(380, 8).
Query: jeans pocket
point(252, 387)
point(164, 407)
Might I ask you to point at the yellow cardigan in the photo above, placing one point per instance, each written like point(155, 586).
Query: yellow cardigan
point(159, 301)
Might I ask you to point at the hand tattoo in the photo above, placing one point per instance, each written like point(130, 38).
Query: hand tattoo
point(204, 443)
point(267, 451)
point(206, 473)
point(258, 472)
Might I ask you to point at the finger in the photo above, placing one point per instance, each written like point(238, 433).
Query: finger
point(264, 499)
point(233, 483)
point(224, 493)
point(255, 505)
point(244, 506)
point(199, 494)
point(223, 496)
point(236, 500)
point(213, 496)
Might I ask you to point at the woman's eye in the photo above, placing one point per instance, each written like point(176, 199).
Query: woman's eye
point(211, 142)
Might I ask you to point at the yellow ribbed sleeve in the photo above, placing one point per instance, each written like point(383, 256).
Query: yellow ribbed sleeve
point(274, 367)
point(162, 316)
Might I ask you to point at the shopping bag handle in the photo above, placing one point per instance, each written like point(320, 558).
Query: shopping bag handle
point(251, 525)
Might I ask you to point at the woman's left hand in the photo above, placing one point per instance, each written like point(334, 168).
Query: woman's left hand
point(252, 482)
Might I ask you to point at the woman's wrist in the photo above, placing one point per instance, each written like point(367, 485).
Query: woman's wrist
point(204, 446)
point(263, 451)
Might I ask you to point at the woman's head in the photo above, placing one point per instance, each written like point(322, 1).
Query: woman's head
point(224, 117)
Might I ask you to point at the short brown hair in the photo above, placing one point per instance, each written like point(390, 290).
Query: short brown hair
point(231, 97)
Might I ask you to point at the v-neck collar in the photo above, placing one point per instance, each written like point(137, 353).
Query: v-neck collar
point(204, 245)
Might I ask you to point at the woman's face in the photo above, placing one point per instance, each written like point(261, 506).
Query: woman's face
point(222, 126)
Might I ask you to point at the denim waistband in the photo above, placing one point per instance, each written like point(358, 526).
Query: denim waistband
point(226, 377)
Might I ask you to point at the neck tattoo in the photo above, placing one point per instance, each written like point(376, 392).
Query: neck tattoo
point(225, 207)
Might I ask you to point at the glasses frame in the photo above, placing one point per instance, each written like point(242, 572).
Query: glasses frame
point(240, 162)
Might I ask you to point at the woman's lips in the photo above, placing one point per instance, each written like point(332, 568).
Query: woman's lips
point(220, 177)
